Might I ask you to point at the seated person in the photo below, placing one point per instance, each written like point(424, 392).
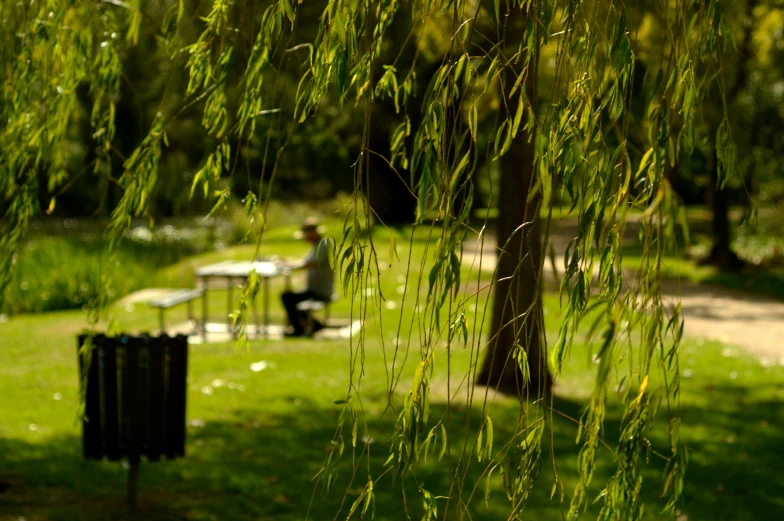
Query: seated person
point(320, 279)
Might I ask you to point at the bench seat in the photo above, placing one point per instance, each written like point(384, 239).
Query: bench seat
point(173, 299)
point(312, 305)
point(178, 297)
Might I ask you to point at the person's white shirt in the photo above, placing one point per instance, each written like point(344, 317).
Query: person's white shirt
point(321, 278)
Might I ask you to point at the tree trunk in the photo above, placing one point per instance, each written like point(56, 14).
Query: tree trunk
point(721, 254)
point(390, 194)
point(672, 173)
point(517, 301)
point(390, 197)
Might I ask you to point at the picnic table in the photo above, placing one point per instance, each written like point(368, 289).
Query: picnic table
point(237, 273)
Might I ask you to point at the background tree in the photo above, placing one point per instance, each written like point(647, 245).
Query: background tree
point(721, 253)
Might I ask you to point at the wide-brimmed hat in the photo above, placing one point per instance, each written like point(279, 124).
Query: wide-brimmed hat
point(309, 225)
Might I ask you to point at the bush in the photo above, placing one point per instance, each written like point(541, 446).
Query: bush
point(64, 270)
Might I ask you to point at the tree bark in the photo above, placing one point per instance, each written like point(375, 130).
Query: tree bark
point(390, 194)
point(517, 301)
point(721, 254)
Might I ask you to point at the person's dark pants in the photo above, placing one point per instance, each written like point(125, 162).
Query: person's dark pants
point(297, 318)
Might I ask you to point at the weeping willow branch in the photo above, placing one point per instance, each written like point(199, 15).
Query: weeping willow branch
point(539, 91)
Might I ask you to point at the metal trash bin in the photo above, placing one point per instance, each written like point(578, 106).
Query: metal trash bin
point(134, 400)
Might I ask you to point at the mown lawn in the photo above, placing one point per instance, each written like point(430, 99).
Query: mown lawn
point(257, 439)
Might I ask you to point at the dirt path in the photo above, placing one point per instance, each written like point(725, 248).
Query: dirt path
point(748, 321)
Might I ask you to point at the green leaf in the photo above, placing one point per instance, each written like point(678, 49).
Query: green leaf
point(498, 138)
point(487, 485)
point(532, 438)
point(522, 361)
point(435, 271)
point(472, 121)
point(479, 447)
point(443, 442)
point(392, 250)
point(368, 497)
point(489, 427)
point(288, 8)
point(518, 116)
point(460, 167)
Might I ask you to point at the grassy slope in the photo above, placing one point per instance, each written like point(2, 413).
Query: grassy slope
point(259, 447)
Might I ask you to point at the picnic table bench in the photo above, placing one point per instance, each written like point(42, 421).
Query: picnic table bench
point(311, 306)
point(175, 299)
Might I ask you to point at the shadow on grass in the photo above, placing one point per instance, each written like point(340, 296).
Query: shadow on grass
point(736, 463)
point(766, 281)
point(261, 467)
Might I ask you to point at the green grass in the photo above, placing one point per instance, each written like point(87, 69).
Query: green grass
point(253, 447)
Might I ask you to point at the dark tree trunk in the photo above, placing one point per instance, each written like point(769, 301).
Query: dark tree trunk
point(671, 172)
point(391, 194)
point(721, 254)
point(388, 194)
point(517, 300)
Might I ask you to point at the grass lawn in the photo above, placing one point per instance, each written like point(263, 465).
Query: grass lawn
point(256, 439)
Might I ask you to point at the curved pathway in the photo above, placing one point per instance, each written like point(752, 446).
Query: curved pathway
point(745, 320)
